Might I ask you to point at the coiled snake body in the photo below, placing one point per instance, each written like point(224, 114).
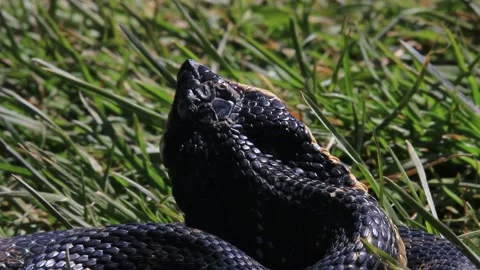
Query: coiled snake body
point(257, 192)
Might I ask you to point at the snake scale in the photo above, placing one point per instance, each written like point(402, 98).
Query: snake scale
point(257, 192)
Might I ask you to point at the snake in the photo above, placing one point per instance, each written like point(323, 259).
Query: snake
point(257, 192)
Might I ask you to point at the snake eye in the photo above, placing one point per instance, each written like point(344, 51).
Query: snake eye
point(223, 108)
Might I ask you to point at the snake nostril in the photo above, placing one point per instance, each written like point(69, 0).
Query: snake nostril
point(205, 93)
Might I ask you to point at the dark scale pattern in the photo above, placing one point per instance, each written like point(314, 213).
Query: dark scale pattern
point(128, 246)
point(266, 119)
point(278, 184)
point(245, 170)
point(426, 251)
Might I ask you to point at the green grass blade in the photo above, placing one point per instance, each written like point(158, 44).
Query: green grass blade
point(456, 95)
point(92, 89)
point(463, 67)
point(159, 66)
point(205, 43)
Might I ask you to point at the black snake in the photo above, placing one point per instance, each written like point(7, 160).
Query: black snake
point(257, 192)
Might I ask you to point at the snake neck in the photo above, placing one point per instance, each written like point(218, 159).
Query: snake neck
point(245, 209)
point(347, 215)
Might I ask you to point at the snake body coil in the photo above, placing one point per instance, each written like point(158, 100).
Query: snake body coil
point(245, 170)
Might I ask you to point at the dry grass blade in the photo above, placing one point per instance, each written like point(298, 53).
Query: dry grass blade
point(423, 178)
point(44, 202)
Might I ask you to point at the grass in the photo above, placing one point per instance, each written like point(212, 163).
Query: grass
point(83, 103)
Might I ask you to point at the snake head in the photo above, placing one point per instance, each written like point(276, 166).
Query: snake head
point(203, 95)
point(207, 104)
point(203, 103)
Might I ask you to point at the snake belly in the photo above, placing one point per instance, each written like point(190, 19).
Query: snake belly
point(257, 191)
